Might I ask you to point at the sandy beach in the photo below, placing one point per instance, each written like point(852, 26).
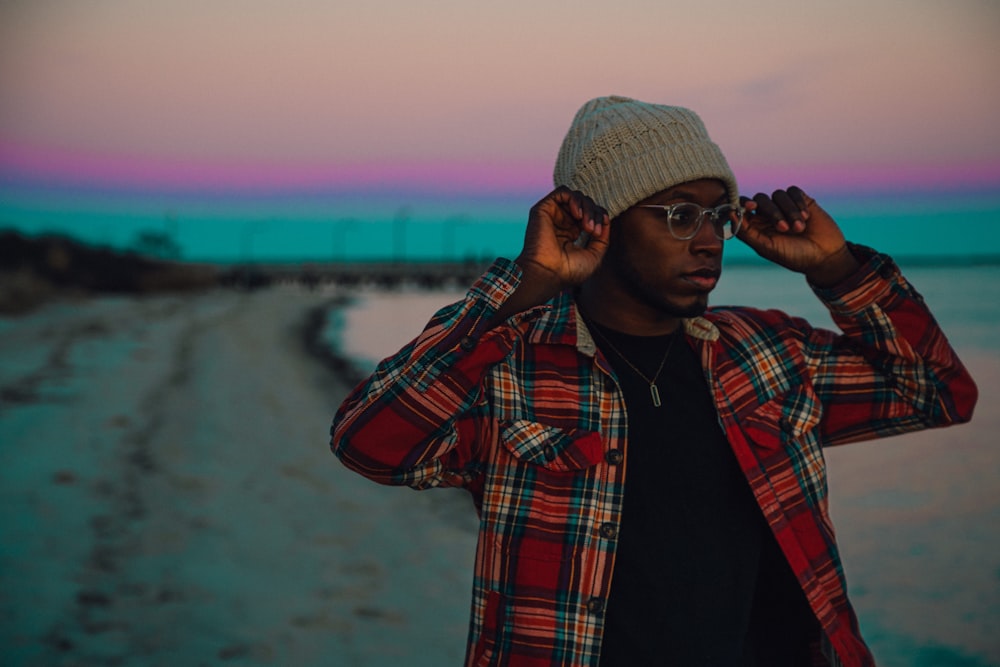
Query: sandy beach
point(168, 498)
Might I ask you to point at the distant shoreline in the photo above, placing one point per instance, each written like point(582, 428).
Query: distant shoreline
point(990, 259)
point(313, 324)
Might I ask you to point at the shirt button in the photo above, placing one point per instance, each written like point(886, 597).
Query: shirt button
point(609, 530)
point(614, 457)
point(595, 605)
point(549, 453)
point(467, 343)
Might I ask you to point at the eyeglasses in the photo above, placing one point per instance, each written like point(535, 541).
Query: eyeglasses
point(684, 219)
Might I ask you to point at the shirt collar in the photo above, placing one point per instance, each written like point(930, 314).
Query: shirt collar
point(560, 323)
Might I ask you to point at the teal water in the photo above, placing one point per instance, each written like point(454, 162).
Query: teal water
point(246, 226)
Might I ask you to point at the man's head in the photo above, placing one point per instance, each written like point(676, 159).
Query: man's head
point(620, 151)
point(628, 155)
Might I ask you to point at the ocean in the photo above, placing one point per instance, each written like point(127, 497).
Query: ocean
point(232, 227)
point(964, 299)
point(916, 515)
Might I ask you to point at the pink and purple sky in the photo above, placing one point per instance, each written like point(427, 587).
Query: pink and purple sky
point(453, 95)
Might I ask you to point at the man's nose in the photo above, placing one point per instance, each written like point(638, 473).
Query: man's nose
point(706, 240)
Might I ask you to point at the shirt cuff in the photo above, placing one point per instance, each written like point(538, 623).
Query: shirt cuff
point(495, 286)
point(874, 280)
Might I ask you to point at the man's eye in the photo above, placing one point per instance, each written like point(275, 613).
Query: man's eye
point(684, 216)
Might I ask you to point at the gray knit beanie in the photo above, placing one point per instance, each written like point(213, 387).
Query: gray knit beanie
point(619, 151)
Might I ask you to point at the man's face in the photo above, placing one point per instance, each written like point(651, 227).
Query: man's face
point(661, 273)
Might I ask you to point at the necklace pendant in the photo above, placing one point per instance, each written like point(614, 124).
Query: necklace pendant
point(655, 393)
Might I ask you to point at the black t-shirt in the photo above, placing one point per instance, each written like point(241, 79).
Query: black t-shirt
point(698, 579)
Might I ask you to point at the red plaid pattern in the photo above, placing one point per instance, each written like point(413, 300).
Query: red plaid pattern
point(528, 417)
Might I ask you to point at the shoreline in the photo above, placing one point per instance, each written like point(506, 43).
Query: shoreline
point(341, 366)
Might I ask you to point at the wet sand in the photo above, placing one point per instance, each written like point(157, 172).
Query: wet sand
point(167, 497)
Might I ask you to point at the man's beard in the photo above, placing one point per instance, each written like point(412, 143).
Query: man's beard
point(654, 299)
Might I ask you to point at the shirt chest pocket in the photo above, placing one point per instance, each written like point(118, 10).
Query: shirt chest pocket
point(786, 417)
point(550, 447)
point(544, 491)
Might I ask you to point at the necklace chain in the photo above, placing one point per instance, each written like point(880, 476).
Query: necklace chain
point(654, 391)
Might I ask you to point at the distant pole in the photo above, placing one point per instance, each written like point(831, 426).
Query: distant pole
point(172, 227)
point(246, 244)
point(399, 234)
point(448, 240)
point(340, 229)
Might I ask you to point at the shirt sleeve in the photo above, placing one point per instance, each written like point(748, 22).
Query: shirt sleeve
point(417, 420)
point(893, 370)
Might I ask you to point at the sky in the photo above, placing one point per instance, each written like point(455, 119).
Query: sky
point(464, 95)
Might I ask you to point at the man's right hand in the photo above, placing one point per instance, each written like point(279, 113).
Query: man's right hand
point(564, 243)
point(566, 238)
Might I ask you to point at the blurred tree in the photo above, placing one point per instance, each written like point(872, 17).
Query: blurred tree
point(153, 243)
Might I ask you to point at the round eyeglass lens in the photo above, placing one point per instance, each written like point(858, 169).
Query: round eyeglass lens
point(684, 219)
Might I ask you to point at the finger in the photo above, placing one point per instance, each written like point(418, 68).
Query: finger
point(803, 200)
point(590, 213)
point(598, 215)
point(800, 200)
point(603, 226)
point(768, 213)
point(756, 231)
point(575, 205)
point(562, 207)
point(559, 199)
point(749, 207)
point(790, 211)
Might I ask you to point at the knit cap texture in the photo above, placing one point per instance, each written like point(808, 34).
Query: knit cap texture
point(619, 151)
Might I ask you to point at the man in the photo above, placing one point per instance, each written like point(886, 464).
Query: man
point(648, 472)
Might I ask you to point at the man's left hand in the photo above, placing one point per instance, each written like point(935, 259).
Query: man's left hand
point(790, 229)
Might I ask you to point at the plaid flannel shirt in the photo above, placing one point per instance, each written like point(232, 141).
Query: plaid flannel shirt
point(528, 416)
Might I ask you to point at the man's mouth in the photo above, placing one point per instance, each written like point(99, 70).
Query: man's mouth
point(705, 279)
